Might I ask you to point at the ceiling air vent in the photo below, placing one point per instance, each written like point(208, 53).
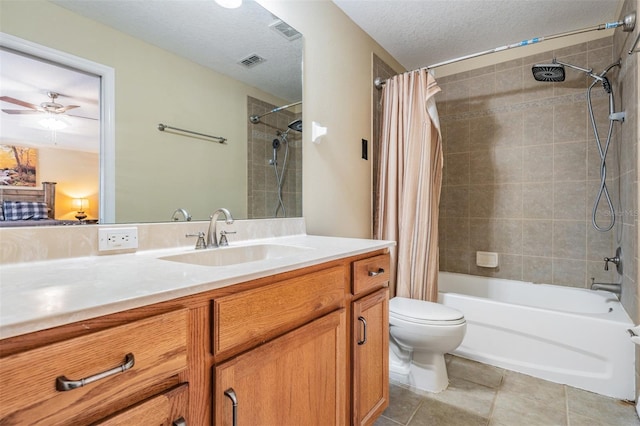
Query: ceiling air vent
point(252, 60)
point(285, 30)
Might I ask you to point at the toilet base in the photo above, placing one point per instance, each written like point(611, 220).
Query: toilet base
point(426, 372)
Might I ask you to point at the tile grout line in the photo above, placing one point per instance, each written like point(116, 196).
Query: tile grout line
point(566, 404)
point(422, 401)
point(495, 398)
point(392, 420)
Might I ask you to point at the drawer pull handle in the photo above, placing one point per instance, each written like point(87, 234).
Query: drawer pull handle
point(364, 332)
point(231, 394)
point(376, 273)
point(179, 422)
point(64, 384)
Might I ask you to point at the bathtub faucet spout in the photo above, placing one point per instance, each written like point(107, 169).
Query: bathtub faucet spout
point(615, 288)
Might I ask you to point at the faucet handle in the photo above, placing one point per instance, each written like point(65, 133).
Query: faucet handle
point(614, 260)
point(200, 244)
point(223, 238)
point(617, 260)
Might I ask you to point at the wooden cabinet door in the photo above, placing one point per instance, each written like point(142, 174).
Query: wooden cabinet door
point(296, 379)
point(370, 357)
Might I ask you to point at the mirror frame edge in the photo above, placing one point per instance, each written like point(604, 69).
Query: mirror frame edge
point(107, 206)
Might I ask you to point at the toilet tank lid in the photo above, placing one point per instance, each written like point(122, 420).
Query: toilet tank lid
point(420, 310)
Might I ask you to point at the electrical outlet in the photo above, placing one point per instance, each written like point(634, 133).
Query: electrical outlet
point(117, 238)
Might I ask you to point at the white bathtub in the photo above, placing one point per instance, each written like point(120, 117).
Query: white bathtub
point(565, 335)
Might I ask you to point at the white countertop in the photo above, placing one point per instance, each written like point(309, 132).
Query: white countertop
point(39, 295)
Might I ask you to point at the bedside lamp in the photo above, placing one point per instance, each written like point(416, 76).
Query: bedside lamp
point(81, 204)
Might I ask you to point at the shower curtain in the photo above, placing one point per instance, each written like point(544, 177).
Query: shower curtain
point(410, 181)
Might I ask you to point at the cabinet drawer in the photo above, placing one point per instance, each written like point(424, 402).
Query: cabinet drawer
point(28, 393)
point(256, 315)
point(370, 273)
point(167, 409)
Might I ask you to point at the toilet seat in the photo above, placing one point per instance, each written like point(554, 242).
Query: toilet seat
point(421, 312)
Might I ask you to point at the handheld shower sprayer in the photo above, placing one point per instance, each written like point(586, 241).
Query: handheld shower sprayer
point(275, 145)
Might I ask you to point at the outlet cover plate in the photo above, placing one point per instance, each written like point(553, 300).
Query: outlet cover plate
point(110, 239)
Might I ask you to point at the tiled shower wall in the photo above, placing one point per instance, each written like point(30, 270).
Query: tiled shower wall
point(522, 170)
point(627, 228)
point(626, 235)
point(262, 187)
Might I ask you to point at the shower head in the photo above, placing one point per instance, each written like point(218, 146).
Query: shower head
point(296, 125)
point(555, 72)
point(548, 72)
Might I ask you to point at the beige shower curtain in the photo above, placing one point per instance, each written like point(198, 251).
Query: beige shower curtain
point(410, 181)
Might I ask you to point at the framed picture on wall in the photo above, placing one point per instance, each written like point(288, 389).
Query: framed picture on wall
point(18, 165)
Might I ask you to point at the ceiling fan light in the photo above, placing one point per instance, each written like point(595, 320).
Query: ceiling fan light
point(229, 4)
point(51, 123)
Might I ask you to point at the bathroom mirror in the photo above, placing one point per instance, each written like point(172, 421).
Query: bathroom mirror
point(208, 92)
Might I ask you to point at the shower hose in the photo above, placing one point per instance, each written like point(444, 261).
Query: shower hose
point(280, 175)
point(603, 190)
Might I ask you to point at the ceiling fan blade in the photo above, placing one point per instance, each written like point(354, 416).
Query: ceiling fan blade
point(21, 103)
point(67, 108)
point(79, 116)
point(93, 101)
point(21, 111)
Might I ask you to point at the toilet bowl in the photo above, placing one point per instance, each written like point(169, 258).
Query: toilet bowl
point(420, 334)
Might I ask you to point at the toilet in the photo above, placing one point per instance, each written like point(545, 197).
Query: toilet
point(420, 334)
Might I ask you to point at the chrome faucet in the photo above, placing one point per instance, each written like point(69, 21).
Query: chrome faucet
point(212, 237)
point(615, 288)
point(184, 213)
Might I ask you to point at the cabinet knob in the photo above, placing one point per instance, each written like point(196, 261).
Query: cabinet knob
point(376, 273)
point(63, 384)
point(364, 330)
point(231, 394)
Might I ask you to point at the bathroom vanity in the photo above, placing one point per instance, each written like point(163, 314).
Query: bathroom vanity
point(301, 339)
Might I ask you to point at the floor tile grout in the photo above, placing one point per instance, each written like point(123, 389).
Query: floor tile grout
point(416, 411)
point(493, 402)
point(566, 405)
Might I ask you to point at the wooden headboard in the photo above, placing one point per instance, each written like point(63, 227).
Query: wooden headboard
point(46, 195)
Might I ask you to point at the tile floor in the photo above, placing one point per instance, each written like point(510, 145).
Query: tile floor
point(480, 394)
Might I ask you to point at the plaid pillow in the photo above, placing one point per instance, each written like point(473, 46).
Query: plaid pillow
point(23, 210)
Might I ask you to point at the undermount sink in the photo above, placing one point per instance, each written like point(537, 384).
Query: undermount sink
point(226, 256)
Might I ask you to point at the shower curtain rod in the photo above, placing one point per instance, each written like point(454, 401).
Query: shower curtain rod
point(628, 24)
point(256, 118)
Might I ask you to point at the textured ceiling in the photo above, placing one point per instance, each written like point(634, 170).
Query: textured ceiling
point(209, 35)
point(419, 33)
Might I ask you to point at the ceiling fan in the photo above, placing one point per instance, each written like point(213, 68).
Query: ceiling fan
point(51, 107)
